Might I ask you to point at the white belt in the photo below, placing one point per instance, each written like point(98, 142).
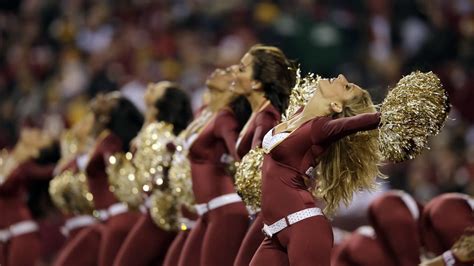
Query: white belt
point(270, 230)
point(186, 224)
point(217, 202)
point(17, 229)
point(112, 210)
point(77, 222)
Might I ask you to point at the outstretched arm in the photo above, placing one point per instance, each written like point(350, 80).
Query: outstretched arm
point(35, 171)
point(329, 130)
point(29, 170)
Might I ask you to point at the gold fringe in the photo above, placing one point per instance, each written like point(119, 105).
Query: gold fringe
point(122, 176)
point(132, 176)
point(70, 193)
point(248, 178)
point(465, 245)
point(180, 182)
point(413, 111)
point(301, 93)
point(163, 210)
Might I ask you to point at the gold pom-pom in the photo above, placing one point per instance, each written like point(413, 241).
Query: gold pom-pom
point(132, 176)
point(248, 178)
point(57, 191)
point(163, 210)
point(179, 175)
point(413, 111)
point(82, 200)
point(464, 247)
point(301, 93)
point(152, 156)
point(70, 193)
point(122, 177)
point(69, 144)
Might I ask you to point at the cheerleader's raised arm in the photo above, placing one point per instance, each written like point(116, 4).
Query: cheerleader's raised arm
point(330, 130)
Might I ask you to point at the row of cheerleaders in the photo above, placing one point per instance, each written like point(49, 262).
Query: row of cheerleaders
point(253, 179)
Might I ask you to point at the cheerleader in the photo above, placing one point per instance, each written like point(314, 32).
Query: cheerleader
point(333, 131)
point(117, 123)
point(18, 231)
point(223, 222)
point(168, 113)
point(180, 182)
point(265, 77)
point(69, 192)
point(316, 134)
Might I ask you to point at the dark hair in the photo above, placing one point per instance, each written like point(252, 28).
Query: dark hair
point(174, 107)
point(276, 73)
point(125, 121)
point(242, 110)
point(38, 200)
point(50, 154)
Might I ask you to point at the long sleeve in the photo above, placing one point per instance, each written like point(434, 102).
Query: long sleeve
point(226, 128)
point(34, 171)
point(264, 122)
point(12, 181)
point(107, 147)
point(65, 165)
point(329, 130)
point(28, 170)
point(110, 145)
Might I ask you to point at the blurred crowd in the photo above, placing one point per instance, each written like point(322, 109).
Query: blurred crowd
point(56, 55)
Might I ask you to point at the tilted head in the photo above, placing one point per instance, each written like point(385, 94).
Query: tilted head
point(265, 69)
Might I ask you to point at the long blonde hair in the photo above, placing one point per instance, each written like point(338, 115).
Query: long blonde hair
point(351, 163)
